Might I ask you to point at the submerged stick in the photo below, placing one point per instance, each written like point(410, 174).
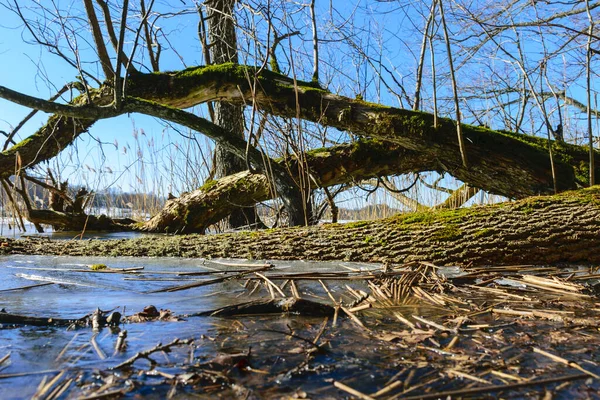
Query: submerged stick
point(211, 281)
point(146, 353)
point(496, 388)
point(26, 287)
point(276, 306)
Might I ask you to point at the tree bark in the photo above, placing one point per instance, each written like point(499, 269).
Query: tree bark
point(223, 49)
point(537, 230)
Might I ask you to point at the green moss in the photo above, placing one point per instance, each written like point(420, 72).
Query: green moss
point(98, 267)
point(482, 233)
point(448, 232)
point(208, 184)
point(357, 224)
point(368, 239)
point(138, 226)
point(527, 210)
point(187, 217)
point(181, 84)
point(319, 152)
point(417, 218)
point(531, 204)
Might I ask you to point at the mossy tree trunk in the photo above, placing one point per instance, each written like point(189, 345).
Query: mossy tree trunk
point(503, 163)
point(197, 210)
point(537, 230)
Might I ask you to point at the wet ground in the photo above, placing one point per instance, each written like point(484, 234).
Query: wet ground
point(426, 331)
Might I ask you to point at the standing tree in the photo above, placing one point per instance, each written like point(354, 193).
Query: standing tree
point(222, 43)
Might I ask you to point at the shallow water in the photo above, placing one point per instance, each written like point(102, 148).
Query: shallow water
point(280, 364)
point(80, 293)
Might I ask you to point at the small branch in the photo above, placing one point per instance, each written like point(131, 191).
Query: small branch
point(205, 52)
point(117, 82)
point(417, 103)
point(276, 40)
point(147, 353)
point(50, 188)
point(588, 77)
point(461, 144)
point(148, 37)
point(11, 135)
point(313, 17)
point(212, 281)
point(292, 335)
point(99, 40)
point(84, 112)
point(111, 30)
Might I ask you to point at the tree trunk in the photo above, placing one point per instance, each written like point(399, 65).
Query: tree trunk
point(78, 222)
point(223, 49)
point(195, 211)
point(504, 163)
point(537, 230)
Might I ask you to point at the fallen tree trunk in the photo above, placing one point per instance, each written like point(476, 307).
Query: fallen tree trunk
point(197, 210)
point(67, 221)
point(537, 230)
point(503, 163)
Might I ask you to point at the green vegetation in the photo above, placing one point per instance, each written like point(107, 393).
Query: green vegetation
point(357, 224)
point(447, 232)
point(483, 232)
point(430, 217)
point(208, 184)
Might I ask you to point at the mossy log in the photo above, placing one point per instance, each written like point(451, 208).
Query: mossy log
point(537, 230)
point(73, 221)
point(503, 163)
point(197, 210)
